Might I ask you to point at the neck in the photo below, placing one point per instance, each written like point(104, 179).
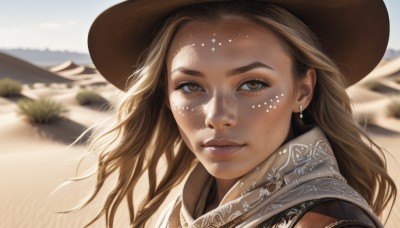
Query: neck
point(222, 187)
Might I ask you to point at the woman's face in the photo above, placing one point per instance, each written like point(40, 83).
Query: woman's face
point(232, 93)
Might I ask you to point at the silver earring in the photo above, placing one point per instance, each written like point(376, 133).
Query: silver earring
point(301, 111)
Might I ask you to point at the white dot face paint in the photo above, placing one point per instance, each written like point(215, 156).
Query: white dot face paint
point(183, 110)
point(213, 43)
point(269, 104)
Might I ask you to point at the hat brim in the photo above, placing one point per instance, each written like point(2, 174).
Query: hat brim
point(353, 33)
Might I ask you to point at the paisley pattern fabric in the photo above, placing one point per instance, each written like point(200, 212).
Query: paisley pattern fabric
point(302, 170)
point(289, 217)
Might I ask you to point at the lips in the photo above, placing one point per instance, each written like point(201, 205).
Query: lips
point(222, 147)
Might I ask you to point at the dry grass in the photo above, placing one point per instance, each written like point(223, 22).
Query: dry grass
point(372, 85)
point(10, 87)
point(86, 97)
point(41, 111)
point(365, 118)
point(393, 109)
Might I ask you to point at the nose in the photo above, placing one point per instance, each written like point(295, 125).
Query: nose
point(220, 113)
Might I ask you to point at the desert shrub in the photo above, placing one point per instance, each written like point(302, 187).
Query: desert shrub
point(41, 111)
point(10, 87)
point(372, 85)
point(86, 97)
point(393, 108)
point(365, 118)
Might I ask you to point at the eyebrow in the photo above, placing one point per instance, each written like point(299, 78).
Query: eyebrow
point(249, 67)
point(233, 72)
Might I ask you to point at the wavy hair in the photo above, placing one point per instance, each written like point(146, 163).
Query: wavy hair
point(145, 135)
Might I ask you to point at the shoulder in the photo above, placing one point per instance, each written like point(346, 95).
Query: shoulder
point(323, 213)
point(334, 213)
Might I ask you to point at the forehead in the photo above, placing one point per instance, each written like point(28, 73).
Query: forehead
point(231, 36)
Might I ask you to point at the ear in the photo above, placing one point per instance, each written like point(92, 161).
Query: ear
point(305, 90)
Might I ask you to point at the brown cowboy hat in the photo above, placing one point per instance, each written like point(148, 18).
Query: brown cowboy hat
point(353, 33)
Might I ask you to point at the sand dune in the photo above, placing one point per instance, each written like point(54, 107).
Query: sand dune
point(80, 74)
point(386, 69)
point(25, 72)
point(79, 70)
point(70, 68)
point(68, 65)
point(389, 86)
point(359, 94)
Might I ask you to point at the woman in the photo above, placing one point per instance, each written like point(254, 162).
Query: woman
point(249, 102)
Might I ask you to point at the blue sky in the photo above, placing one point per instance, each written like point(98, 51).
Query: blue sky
point(63, 25)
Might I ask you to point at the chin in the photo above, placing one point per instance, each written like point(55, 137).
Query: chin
point(224, 170)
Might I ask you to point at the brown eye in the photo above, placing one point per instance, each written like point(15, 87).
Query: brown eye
point(192, 88)
point(253, 85)
point(189, 87)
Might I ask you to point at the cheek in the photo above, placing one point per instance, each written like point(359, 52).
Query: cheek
point(188, 115)
point(268, 104)
point(269, 112)
point(182, 110)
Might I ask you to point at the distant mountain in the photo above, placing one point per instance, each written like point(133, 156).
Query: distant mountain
point(391, 54)
point(46, 58)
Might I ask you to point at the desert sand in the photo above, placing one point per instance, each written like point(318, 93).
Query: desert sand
point(35, 160)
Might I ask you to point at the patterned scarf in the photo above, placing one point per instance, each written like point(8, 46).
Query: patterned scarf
point(301, 170)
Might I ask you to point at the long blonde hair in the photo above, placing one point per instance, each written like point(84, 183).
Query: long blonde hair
point(146, 132)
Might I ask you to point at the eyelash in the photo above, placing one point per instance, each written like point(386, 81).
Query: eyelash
point(261, 82)
point(180, 86)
